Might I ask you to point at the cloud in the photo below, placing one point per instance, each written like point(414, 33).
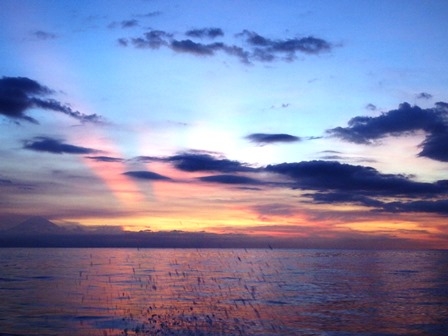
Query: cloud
point(323, 182)
point(265, 138)
point(129, 23)
point(210, 33)
point(43, 35)
point(344, 197)
point(55, 146)
point(435, 147)
point(371, 107)
point(267, 49)
point(423, 95)
point(149, 14)
point(19, 94)
point(332, 182)
point(124, 24)
point(229, 179)
point(153, 39)
point(5, 182)
point(188, 46)
point(326, 176)
point(146, 175)
point(199, 161)
point(122, 42)
point(406, 119)
point(104, 159)
point(254, 47)
point(435, 206)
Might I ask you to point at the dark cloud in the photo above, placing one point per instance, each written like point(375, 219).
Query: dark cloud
point(54, 105)
point(146, 175)
point(153, 39)
point(104, 159)
point(55, 146)
point(188, 46)
point(325, 182)
point(229, 179)
point(439, 207)
point(266, 49)
point(268, 138)
point(435, 147)
point(198, 161)
point(325, 176)
point(423, 95)
point(205, 33)
point(256, 48)
point(5, 182)
point(333, 183)
point(406, 119)
point(19, 94)
point(344, 197)
point(202, 49)
point(428, 206)
point(43, 35)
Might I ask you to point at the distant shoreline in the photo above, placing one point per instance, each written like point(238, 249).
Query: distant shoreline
point(187, 240)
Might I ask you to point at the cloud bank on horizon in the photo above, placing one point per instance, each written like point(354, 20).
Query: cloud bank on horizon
point(307, 129)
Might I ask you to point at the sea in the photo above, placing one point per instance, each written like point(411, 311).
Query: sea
point(119, 291)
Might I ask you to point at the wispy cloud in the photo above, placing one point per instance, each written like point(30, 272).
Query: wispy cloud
point(146, 175)
point(124, 24)
point(371, 107)
point(55, 146)
point(423, 95)
point(230, 179)
point(271, 138)
point(105, 159)
point(43, 35)
point(149, 14)
point(20, 94)
point(153, 39)
point(248, 47)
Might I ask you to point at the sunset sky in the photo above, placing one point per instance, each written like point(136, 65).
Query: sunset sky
point(308, 119)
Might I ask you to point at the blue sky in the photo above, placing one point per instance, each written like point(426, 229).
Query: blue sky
point(179, 115)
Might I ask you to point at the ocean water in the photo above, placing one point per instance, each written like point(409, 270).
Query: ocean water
point(222, 292)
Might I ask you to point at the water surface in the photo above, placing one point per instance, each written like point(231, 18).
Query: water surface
point(222, 292)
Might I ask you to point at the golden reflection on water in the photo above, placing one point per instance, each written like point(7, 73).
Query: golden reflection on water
point(222, 292)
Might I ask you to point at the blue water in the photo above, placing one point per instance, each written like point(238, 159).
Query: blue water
point(222, 292)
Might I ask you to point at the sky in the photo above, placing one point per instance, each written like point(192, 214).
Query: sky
point(303, 119)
